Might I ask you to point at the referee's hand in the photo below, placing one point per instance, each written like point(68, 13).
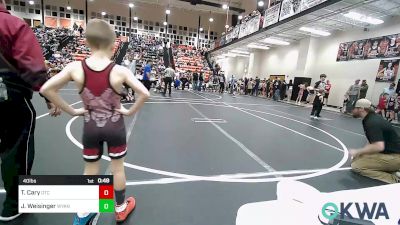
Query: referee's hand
point(80, 112)
point(53, 110)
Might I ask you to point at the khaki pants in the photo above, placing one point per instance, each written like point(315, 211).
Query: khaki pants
point(378, 166)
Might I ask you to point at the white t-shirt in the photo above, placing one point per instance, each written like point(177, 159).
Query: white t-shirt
point(321, 85)
point(169, 72)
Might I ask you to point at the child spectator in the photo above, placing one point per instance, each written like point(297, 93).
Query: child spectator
point(263, 88)
point(300, 94)
point(250, 86)
point(328, 87)
point(381, 109)
point(345, 100)
point(177, 83)
point(311, 94)
point(390, 107)
point(289, 90)
point(317, 104)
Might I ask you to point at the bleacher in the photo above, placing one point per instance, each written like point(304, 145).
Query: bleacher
point(188, 58)
point(83, 52)
point(143, 48)
point(51, 38)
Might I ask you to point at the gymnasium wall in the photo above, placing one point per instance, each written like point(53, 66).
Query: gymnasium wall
point(278, 61)
point(342, 74)
point(313, 56)
point(234, 66)
point(27, 15)
point(261, 63)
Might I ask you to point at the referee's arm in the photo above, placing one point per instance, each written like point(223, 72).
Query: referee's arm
point(27, 55)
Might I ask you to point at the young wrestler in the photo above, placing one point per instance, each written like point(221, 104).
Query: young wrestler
point(99, 81)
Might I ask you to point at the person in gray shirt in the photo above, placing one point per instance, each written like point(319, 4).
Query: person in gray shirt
point(354, 95)
point(169, 75)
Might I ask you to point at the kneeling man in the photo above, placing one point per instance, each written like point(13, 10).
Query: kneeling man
point(380, 158)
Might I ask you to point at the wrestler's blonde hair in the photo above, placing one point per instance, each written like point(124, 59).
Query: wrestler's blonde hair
point(99, 34)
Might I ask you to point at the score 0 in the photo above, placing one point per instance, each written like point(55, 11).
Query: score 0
point(106, 198)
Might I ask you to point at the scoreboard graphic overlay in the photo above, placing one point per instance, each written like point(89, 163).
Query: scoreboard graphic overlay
point(66, 194)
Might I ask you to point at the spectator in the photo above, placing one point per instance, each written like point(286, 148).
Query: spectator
point(276, 89)
point(221, 83)
point(146, 74)
point(283, 90)
point(363, 89)
point(250, 85)
point(80, 29)
point(246, 81)
point(328, 87)
point(289, 90)
point(268, 88)
point(391, 105)
point(232, 84)
point(390, 90)
point(256, 86)
point(215, 83)
point(168, 78)
point(302, 87)
point(311, 94)
point(201, 79)
point(264, 87)
point(184, 80)
point(320, 85)
point(317, 104)
point(195, 80)
point(382, 105)
point(354, 94)
point(177, 83)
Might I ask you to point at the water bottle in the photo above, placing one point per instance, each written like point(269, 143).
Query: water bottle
point(3, 91)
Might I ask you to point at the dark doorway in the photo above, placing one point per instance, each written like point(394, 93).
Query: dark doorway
point(296, 82)
point(28, 21)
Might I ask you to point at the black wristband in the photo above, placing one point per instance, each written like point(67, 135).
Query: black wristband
point(47, 101)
